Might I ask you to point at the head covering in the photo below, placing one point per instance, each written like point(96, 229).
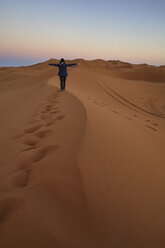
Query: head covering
point(62, 61)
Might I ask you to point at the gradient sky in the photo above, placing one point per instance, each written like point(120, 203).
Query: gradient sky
point(36, 30)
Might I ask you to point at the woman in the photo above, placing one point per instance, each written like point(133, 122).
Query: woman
point(63, 72)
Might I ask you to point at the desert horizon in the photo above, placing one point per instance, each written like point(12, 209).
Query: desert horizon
point(82, 167)
point(88, 60)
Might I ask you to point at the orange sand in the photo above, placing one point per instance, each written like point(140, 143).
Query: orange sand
point(82, 168)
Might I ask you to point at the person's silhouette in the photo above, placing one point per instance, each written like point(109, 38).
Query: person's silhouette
point(63, 71)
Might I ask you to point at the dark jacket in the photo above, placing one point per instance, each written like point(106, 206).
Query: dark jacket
point(63, 68)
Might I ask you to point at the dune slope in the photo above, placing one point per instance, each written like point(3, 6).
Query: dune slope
point(84, 167)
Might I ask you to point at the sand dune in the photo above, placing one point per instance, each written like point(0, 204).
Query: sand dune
point(84, 167)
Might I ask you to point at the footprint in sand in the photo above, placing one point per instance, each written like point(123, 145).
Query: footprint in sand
point(155, 124)
point(33, 129)
point(148, 120)
point(115, 112)
point(154, 129)
point(31, 142)
point(60, 117)
point(21, 178)
point(47, 108)
point(55, 112)
point(44, 133)
point(41, 153)
point(50, 123)
point(96, 102)
point(54, 96)
point(43, 111)
point(29, 148)
point(43, 117)
point(24, 161)
point(128, 118)
point(8, 206)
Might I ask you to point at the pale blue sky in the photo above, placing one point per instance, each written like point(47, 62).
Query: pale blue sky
point(37, 30)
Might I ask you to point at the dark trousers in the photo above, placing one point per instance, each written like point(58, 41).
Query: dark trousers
point(63, 80)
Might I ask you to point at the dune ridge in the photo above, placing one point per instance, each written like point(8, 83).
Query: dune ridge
point(84, 167)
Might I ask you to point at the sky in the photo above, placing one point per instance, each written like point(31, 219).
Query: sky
point(33, 31)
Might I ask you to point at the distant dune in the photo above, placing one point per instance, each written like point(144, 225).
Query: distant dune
point(114, 68)
point(82, 168)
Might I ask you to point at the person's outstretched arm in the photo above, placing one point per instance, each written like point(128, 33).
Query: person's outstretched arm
point(54, 64)
point(71, 64)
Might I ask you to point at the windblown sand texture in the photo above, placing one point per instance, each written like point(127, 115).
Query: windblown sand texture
point(84, 168)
